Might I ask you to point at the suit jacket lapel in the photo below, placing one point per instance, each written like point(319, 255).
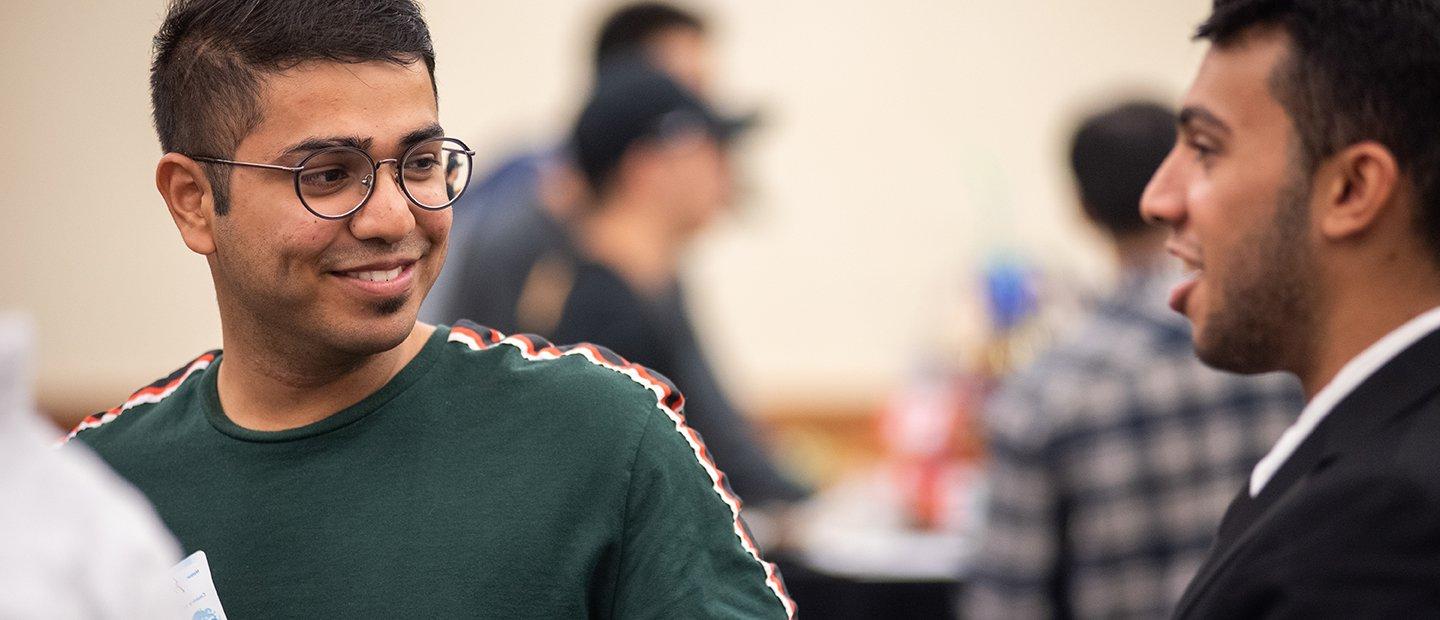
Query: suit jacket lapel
point(1245, 510)
point(1247, 515)
point(1392, 390)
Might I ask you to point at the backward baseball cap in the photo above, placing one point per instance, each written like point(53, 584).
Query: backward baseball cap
point(632, 101)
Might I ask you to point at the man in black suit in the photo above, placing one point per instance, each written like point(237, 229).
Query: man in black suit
point(1304, 195)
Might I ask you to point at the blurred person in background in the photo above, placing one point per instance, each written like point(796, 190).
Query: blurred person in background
point(520, 263)
point(341, 459)
point(76, 541)
point(656, 159)
point(510, 238)
point(1304, 196)
point(1112, 456)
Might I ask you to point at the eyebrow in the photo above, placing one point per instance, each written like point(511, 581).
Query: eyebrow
point(315, 143)
point(1195, 115)
point(422, 134)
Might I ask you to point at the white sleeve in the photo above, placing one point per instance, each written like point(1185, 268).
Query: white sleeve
point(76, 541)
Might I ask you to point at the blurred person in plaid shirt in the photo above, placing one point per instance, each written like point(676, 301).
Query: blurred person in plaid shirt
point(1113, 456)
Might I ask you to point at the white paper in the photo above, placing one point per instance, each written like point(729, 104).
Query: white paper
point(192, 576)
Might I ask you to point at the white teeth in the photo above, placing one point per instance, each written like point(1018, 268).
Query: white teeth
point(376, 276)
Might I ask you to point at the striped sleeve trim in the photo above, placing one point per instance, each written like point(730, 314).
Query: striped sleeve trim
point(153, 393)
point(668, 400)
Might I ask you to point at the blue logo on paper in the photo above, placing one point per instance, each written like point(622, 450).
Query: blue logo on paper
point(205, 614)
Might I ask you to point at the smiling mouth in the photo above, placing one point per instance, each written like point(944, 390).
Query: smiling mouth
point(373, 276)
point(382, 278)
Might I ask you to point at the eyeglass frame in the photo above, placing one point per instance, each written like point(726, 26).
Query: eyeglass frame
point(374, 171)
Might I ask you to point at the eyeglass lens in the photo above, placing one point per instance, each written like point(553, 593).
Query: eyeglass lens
point(335, 182)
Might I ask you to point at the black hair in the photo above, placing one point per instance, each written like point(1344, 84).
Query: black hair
point(1356, 70)
point(1113, 155)
point(633, 26)
point(211, 55)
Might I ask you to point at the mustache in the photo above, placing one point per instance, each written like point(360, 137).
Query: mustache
point(374, 250)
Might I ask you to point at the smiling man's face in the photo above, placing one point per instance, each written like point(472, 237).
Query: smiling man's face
point(1237, 209)
point(351, 286)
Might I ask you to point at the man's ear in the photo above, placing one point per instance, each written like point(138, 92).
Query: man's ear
point(187, 192)
point(1357, 185)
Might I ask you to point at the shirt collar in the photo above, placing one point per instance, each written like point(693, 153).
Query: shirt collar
point(1351, 375)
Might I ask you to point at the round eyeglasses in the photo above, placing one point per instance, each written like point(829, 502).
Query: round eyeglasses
point(335, 182)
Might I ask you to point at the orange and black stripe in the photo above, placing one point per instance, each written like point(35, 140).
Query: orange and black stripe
point(153, 393)
point(668, 400)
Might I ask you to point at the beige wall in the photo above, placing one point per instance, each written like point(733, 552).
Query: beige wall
point(905, 141)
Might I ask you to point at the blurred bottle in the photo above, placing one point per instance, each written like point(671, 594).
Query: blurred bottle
point(930, 428)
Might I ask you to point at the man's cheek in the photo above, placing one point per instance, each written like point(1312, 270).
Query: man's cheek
point(312, 232)
point(436, 225)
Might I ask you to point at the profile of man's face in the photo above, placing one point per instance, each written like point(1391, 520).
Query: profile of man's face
point(352, 285)
point(1238, 211)
point(698, 181)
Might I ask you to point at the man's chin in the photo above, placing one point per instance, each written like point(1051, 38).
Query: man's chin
point(365, 343)
point(392, 306)
point(380, 331)
point(1214, 358)
point(1232, 353)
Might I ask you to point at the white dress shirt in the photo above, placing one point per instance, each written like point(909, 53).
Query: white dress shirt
point(1355, 372)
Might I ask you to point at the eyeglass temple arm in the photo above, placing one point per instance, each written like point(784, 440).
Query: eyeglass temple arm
point(232, 162)
point(217, 160)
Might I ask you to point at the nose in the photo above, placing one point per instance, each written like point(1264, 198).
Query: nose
point(1163, 203)
point(386, 214)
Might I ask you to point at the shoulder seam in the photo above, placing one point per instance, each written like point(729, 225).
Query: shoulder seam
point(668, 400)
point(150, 394)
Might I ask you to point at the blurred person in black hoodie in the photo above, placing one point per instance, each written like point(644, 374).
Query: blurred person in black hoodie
point(509, 235)
point(656, 160)
point(583, 241)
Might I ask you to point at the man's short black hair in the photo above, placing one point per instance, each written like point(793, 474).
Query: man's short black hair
point(1357, 70)
point(634, 26)
point(210, 57)
point(1113, 155)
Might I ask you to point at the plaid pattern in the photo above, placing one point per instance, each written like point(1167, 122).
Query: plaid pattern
point(1113, 458)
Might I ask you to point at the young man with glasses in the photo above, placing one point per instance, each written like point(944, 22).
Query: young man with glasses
point(339, 459)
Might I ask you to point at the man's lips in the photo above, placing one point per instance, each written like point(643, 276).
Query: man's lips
point(1187, 254)
point(1180, 294)
point(386, 278)
point(1194, 269)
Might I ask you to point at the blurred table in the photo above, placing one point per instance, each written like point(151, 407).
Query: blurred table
point(832, 597)
point(856, 555)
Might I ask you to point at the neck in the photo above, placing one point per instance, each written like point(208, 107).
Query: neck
point(266, 386)
point(624, 236)
point(1381, 301)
